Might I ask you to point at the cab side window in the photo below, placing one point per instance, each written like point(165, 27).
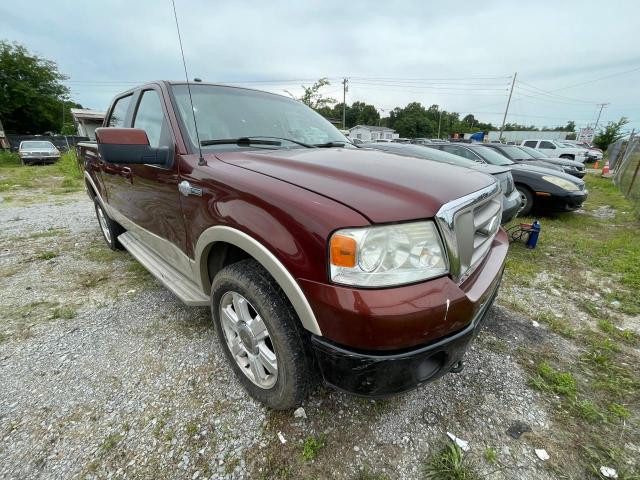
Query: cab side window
point(547, 145)
point(150, 118)
point(119, 112)
point(530, 143)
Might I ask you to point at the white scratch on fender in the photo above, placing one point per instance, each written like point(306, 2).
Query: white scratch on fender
point(447, 311)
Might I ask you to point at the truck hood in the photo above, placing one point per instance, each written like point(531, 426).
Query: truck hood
point(381, 186)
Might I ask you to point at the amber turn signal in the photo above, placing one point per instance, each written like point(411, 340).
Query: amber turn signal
point(343, 251)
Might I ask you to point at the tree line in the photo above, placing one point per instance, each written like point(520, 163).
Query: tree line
point(34, 100)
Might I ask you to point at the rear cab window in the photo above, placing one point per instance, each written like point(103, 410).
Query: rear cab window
point(119, 112)
point(150, 117)
point(530, 143)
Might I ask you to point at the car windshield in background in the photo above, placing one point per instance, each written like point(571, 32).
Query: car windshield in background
point(428, 154)
point(224, 113)
point(492, 157)
point(514, 152)
point(37, 145)
point(533, 152)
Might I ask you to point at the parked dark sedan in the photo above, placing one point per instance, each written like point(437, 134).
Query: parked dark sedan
point(572, 167)
point(511, 200)
point(518, 155)
point(540, 187)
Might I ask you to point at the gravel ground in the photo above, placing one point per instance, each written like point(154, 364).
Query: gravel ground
point(104, 374)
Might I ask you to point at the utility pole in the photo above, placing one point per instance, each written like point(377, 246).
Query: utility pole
point(602, 105)
point(344, 102)
point(506, 110)
point(439, 123)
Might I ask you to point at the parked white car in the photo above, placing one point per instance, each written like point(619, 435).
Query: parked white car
point(556, 148)
point(592, 153)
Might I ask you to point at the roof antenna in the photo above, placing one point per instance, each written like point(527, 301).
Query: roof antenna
point(201, 160)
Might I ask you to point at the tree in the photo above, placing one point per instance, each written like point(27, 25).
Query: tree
point(32, 97)
point(412, 121)
point(611, 133)
point(312, 96)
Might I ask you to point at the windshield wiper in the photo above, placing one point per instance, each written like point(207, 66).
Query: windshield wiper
point(253, 140)
point(330, 145)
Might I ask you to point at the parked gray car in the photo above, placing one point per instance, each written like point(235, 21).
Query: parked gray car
point(511, 200)
point(38, 151)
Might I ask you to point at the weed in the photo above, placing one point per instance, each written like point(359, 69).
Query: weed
point(110, 442)
point(66, 313)
point(312, 446)
point(490, 455)
point(9, 159)
point(558, 382)
point(619, 411)
point(47, 255)
point(555, 324)
point(191, 429)
point(449, 464)
point(3, 337)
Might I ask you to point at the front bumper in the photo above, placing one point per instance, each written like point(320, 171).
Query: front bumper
point(561, 202)
point(511, 205)
point(39, 158)
point(376, 374)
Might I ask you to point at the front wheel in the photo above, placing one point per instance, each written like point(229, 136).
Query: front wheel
point(261, 335)
point(567, 156)
point(527, 200)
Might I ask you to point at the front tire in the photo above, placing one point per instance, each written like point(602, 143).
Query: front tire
point(527, 200)
point(568, 156)
point(261, 335)
point(109, 228)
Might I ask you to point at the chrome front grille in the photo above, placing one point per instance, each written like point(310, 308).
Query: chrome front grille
point(468, 225)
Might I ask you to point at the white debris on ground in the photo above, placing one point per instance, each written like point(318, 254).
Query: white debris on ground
point(608, 472)
point(464, 445)
point(542, 454)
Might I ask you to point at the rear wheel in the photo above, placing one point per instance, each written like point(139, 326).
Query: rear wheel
point(527, 200)
point(110, 229)
point(567, 156)
point(261, 335)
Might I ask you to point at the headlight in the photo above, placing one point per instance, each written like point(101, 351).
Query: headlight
point(562, 183)
point(386, 255)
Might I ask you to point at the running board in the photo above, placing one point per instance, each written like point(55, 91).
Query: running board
point(181, 286)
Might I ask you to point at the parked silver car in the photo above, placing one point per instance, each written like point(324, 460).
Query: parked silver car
point(38, 151)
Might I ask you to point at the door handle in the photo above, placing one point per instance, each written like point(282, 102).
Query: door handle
point(127, 173)
point(186, 189)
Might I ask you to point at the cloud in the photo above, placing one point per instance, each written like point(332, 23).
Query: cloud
point(550, 45)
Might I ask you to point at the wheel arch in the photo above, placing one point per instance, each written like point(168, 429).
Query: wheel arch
point(220, 240)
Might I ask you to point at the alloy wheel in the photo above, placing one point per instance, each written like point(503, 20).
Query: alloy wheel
point(248, 340)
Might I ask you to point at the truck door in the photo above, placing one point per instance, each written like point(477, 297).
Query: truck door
point(153, 195)
point(145, 198)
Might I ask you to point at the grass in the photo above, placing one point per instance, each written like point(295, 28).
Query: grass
point(490, 455)
point(47, 255)
point(312, 446)
point(66, 313)
point(449, 464)
point(110, 442)
point(593, 386)
point(62, 177)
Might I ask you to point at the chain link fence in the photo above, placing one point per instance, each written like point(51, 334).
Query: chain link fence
point(624, 162)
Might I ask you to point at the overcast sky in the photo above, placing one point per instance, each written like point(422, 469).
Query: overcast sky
point(459, 55)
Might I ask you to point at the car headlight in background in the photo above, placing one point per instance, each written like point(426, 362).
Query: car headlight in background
point(562, 183)
point(386, 255)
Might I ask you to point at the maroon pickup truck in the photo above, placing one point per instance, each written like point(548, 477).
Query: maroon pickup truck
point(318, 259)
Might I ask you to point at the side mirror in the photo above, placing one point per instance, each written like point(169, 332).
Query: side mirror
point(130, 145)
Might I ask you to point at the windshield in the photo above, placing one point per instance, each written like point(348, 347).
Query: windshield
point(533, 152)
point(514, 153)
point(492, 157)
point(231, 113)
point(427, 153)
point(36, 144)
